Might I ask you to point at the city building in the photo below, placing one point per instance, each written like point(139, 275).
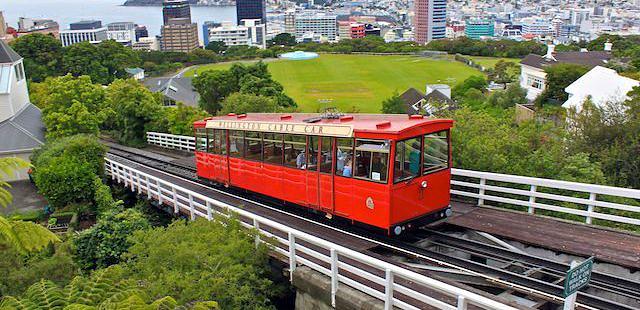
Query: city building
point(427, 104)
point(135, 73)
point(175, 9)
point(122, 32)
point(476, 28)
point(206, 26)
point(141, 32)
point(455, 30)
point(371, 30)
point(147, 44)
point(251, 9)
point(348, 30)
point(90, 31)
point(178, 34)
point(536, 27)
point(21, 126)
point(579, 15)
point(290, 22)
point(250, 32)
point(533, 76)
point(44, 26)
point(3, 26)
point(601, 85)
point(430, 20)
point(316, 25)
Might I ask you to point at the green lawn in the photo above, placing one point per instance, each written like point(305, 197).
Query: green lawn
point(357, 82)
point(490, 62)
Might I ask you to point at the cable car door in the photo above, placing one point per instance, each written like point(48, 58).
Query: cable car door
point(325, 186)
point(311, 156)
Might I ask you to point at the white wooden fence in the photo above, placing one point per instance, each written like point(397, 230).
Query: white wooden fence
point(377, 278)
point(503, 189)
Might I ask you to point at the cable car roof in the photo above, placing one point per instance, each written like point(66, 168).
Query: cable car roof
point(317, 124)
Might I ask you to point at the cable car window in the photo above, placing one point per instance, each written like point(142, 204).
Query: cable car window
point(344, 157)
point(407, 159)
point(436, 151)
point(326, 152)
point(221, 141)
point(236, 143)
point(294, 148)
point(201, 140)
point(372, 160)
point(312, 153)
point(253, 145)
point(272, 148)
point(211, 141)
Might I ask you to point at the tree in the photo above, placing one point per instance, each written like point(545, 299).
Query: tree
point(508, 98)
point(241, 103)
point(217, 47)
point(105, 289)
point(103, 244)
point(284, 39)
point(180, 118)
point(85, 58)
point(7, 167)
point(474, 81)
point(116, 58)
point(503, 72)
point(214, 86)
point(71, 105)
point(394, 105)
point(558, 78)
point(133, 106)
point(202, 260)
point(42, 55)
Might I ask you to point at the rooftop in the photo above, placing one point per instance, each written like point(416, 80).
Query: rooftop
point(588, 59)
point(22, 132)
point(602, 85)
point(7, 54)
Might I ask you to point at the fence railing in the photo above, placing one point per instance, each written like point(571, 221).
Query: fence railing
point(166, 140)
point(382, 280)
point(585, 202)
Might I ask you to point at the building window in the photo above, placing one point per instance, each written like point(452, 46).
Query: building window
point(535, 82)
point(436, 151)
point(19, 71)
point(372, 160)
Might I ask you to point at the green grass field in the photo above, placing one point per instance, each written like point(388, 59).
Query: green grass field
point(490, 62)
point(357, 82)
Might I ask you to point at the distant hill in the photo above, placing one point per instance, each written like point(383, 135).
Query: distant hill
point(151, 2)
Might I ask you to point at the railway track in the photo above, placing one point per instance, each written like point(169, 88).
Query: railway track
point(527, 274)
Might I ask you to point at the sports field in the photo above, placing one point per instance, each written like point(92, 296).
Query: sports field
point(357, 82)
point(490, 62)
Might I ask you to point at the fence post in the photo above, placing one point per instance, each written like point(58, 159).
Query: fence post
point(532, 199)
point(138, 182)
point(462, 303)
point(481, 192)
point(388, 290)
point(191, 207)
point(132, 183)
point(256, 225)
point(209, 216)
point(334, 276)
point(113, 177)
point(592, 198)
point(159, 192)
point(292, 255)
point(146, 181)
point(175, 200)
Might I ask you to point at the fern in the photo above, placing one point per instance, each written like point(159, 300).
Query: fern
point(8, 166)
point(25, 236)
point(105, 290)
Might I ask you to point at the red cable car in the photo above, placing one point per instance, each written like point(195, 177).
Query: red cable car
point(388, 171)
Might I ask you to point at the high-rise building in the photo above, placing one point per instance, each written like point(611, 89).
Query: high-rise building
point(122, 32)
point(316, 25)
point(290, 21)
point(206, 29)
point(430, 20)
point(536, 26)
point(32, 25)
point(175, 9)
point(476, 28)
point(86, 30)
point(178, 34)
point(579, 15)
point(251, 9)
point(141, 32)
point(250, 32)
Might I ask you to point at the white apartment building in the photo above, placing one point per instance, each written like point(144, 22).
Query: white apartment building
point(251, 32)
point(123, 32)
point(536, 26)
point(319, 24)
point(94, 36)
point(147, 44)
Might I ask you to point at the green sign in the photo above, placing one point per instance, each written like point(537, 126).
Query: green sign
point(578, 277)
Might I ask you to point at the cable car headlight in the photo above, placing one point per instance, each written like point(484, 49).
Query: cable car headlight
point(423, 184)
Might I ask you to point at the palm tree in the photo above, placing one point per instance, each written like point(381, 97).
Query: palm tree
point(24, 236)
